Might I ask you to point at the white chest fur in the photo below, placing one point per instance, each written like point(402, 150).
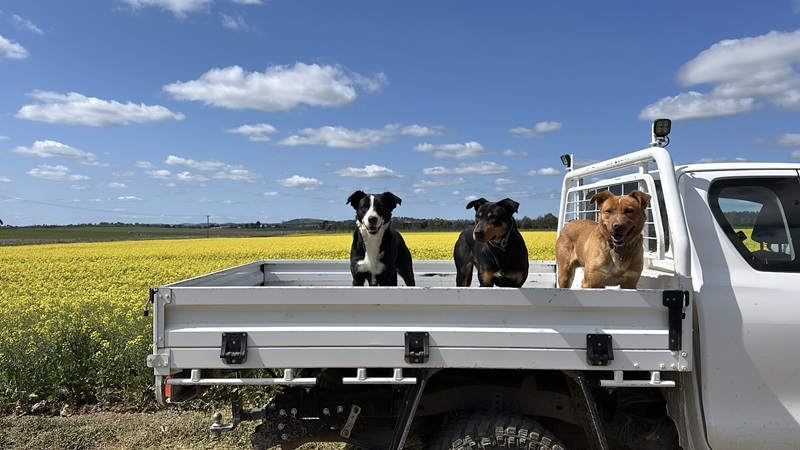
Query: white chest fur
point(372, 258)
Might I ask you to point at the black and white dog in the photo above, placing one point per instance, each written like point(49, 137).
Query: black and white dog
point(378, 252)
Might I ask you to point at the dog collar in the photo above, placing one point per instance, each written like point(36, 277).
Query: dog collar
point(504, 241)
point(634, 245)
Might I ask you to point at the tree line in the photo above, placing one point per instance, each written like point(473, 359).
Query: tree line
point(545, 222)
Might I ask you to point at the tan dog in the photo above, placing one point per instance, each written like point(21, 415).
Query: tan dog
point(609, 250)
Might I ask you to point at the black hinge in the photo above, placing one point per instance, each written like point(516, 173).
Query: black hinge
point(151, 300)
point(417, 349)
point(234, 348)
point(599, 351)
point(676, 302)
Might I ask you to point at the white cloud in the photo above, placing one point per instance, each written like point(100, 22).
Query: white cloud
point(192, 164)
point(145, 165)
point(77, 109)
point(795, 154)
point(453, 151)
point(224, 171)
point(440, 182)
point(546, 171)
point(116, 185)
point(25, 24)
point(694, 105)
point(235, 174)
point(740, 60)
point(278, 88)
point(188, 176)
point(129, 198)
point(248, 2)
point(256, 132)
point(180, 8)
point(510, 152)
point(369, 171)
point(55, 173)
point(788, 140)
point(159, 174)
point(719, 159)
point(296, 181)
point(742, 74)
point(234, 23)
point(341, 137)
point(503, 181)
point(12, 50)
point(477, 168)
point(5, 179)
point(53, 149)
point(413, 130)
point(537, 130)
point(270, 194)
point(337, 137)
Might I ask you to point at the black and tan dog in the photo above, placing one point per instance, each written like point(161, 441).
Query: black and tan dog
point(493, 246)
point(610, 249)
point(378, 252)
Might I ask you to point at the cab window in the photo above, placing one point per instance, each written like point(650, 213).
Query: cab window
point(761, 217)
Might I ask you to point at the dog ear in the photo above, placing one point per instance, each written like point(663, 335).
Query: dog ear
point(600, 197)
point(641, 197)
point(397, 200)
point(477, 203)
point(509, 205)
point(355, 197)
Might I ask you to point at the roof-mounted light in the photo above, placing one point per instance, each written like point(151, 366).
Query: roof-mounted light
point(566, 160)
point(661, 129)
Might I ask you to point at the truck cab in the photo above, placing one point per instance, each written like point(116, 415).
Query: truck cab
point(744, 225)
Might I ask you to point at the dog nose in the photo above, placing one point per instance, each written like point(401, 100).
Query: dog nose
point(372, 220)
point(479, 233)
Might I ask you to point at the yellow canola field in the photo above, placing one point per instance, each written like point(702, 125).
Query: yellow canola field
point(72, 314)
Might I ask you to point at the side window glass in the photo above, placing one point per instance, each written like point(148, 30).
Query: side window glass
point(760, 216)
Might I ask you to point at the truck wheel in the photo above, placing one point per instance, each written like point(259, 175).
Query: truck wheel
point(494, 431)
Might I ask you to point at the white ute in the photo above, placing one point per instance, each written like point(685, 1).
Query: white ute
point(701, 356)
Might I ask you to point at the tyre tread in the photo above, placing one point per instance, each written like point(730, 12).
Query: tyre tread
point(501, 430)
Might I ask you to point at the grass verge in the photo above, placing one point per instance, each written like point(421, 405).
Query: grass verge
point(162, 430)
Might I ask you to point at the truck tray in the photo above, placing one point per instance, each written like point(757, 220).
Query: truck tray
point(304, 314)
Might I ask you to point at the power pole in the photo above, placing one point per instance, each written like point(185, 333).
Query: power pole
point(208, 226)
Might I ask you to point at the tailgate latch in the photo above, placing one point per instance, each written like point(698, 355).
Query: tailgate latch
point(417, 347)
point(599, 351)
point(234, 348)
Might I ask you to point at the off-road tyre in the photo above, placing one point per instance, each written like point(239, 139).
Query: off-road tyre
point(494, 431)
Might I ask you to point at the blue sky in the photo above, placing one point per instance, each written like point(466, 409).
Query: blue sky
point(165, 111)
